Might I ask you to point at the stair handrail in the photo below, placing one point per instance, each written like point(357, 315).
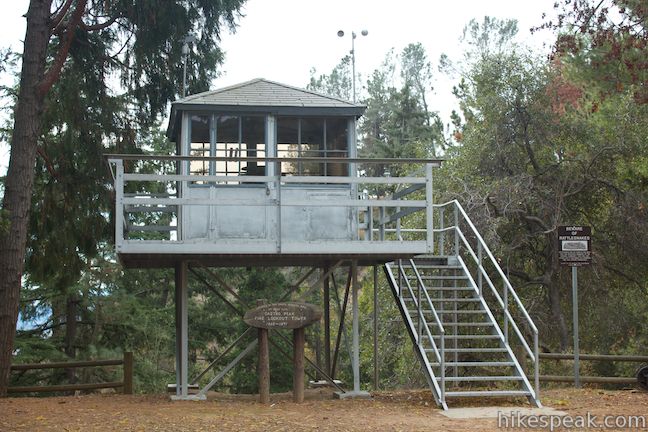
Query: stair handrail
point(508, 287)
point(439, 394)
point(441, 355)
point(496, 265)
point(427, 297)
point(497, 296)
point(427, 328)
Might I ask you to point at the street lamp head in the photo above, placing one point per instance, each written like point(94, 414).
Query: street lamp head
point(340, 33)
point(364, 32)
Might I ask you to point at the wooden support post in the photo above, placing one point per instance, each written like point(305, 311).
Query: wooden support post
point(299, 340)
point(128, 373)
point(264, 367)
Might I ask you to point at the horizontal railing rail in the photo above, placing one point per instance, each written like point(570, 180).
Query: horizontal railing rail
point(369, 209)
point(610, 358)
point(126, 383)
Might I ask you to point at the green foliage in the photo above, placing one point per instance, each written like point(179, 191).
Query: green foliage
point(338, 83)
point(539, 148)
point(608, 40)
point(398, 366)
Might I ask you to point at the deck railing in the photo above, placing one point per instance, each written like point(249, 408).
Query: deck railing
point(149, 199)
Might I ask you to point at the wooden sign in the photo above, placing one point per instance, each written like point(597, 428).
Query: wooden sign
point(283, 315)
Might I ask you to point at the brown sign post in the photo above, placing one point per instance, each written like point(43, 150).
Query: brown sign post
point(276, 316)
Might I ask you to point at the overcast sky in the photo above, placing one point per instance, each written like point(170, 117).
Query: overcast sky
point(282, 40)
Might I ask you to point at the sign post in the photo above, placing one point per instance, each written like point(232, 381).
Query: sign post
point(575, 250)
point(276, 316)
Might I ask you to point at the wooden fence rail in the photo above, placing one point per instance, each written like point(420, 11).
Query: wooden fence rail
point(593, 357)
point(126, 383)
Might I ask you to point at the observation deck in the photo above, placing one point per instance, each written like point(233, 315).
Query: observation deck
point(268, 174)
point(233, 220)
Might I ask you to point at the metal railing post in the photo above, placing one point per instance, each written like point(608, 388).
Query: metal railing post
point(398, 225)
point(456, 231)
point(119, 203)
point(278, 192)
point(442, 363)
point(370, 222)
point(400, 278)
point(381, 234)
point(420, 313)
point(479, 267)
point(442, 234)
point(536, 371)
point(506, 307)
point(429, 209)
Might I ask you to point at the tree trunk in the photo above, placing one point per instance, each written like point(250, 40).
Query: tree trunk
point(20, 178)
point(558, 315)
point(71, 312)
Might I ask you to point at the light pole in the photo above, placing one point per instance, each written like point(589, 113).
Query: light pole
point(340, 33)
point(185, 56)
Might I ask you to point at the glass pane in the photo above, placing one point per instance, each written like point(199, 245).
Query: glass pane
point(228, 145)
point(288, 143)
point(199, 144)
point(312, 144)
point(253, 144)
point(336, 146)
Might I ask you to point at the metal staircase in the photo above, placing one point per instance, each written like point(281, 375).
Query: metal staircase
point(459, 308)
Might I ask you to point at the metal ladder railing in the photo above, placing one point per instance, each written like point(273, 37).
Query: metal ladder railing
point(451, 238)
point(461, 243)
point(438, 388)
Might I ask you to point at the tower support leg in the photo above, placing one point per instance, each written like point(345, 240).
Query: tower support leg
point(182, 333)
point(355, 360)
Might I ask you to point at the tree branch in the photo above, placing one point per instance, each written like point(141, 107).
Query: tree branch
point(54, 71)
point(618, 272)
point(100, 26)
point(48, 162)
point(535, 219)
point(57, 20)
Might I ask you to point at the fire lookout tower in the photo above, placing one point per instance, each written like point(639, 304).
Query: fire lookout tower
point(267, 174)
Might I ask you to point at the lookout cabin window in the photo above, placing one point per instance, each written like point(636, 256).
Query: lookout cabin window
point(313, 137)
point(231, 137)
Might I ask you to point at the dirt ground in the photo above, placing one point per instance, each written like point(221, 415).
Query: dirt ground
point(387, 411)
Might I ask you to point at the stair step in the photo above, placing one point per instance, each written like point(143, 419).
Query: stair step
point(431, 260)
point(442, 277)
point(434, 288)
point(438, 266)
point(472, 350)
point(495, 393)
point(482, 378)
point(459, 311)
point(476, 364)
point(450, 336)
point(463, 324)
point(458, 300)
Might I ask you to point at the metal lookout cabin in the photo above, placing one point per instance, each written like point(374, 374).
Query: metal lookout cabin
point(267, 174)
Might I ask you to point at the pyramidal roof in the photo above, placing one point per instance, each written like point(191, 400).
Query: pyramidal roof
point(261, 96)
point(264, 93)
